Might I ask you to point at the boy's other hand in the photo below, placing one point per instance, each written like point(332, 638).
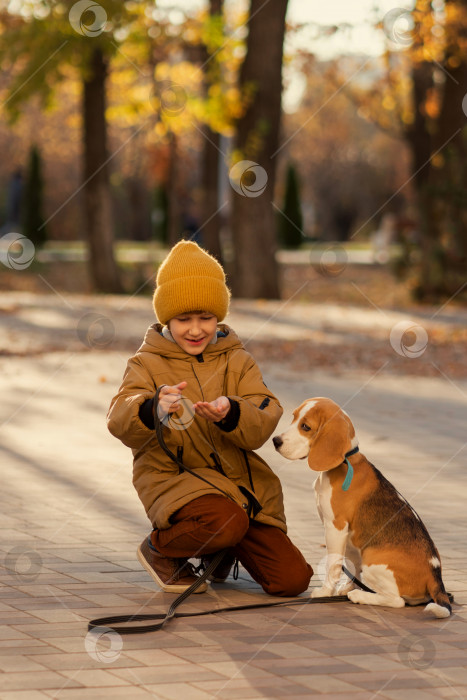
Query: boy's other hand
point(169, 399)
point(213, 411)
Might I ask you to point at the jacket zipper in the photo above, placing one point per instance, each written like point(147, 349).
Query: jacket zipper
point(214, 455)
point(202, 394)
point(217, 463)
point(245, 456)
point(180, 457)
point(199, 383)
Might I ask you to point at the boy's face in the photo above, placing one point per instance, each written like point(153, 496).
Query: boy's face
point(193, 331)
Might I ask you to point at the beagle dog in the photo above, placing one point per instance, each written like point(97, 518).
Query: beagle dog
point(365, 519)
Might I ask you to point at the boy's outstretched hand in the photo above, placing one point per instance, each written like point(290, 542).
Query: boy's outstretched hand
point(169, 399)
point(213, 410)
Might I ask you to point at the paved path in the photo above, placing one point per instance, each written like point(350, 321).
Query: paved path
point(71, 522)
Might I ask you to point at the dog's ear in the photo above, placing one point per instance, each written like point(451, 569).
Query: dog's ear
point(331, 441)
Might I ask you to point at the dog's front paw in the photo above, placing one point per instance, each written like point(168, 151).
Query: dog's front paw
point(322, 592)
point(356, 595)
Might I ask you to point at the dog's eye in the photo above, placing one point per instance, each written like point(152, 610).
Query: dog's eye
point(305, 427)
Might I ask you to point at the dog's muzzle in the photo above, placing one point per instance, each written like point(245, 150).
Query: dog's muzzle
point(277, 441)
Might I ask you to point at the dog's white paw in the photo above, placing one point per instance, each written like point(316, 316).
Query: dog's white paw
point(355, 595)
point(322, 592)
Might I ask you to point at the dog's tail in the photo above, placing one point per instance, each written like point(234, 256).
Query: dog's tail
point(440, 605)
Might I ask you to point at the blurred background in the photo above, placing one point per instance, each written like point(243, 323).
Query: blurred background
point(297, 142)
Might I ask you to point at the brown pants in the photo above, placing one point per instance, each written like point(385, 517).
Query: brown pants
point(211, 523)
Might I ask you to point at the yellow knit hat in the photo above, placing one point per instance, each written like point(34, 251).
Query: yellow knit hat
point(190, 279)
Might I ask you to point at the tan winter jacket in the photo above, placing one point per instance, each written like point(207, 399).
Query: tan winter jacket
point(225, 368)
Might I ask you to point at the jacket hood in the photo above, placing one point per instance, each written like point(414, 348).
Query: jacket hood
point(155, 342)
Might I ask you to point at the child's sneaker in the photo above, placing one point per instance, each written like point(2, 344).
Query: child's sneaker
point(172, 575)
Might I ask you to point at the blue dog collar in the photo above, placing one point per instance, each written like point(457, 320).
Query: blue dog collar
point(349, 476)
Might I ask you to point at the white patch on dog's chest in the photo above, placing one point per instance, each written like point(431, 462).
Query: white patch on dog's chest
point(336, 540)
point(323, 491)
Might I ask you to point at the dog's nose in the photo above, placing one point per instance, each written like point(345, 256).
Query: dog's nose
point(277, 441)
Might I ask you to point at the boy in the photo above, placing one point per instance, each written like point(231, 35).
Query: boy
point(215, 411)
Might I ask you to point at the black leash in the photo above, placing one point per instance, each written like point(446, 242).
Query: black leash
point(357, 581)
point(116, 623)
point(113, 623)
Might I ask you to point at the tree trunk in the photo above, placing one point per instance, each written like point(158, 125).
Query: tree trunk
point(440, 184)
point(210, 218)
point(174, 229)
point(257, 139)
point(139, 225)
point(451, 131)
point(420, 140)
point(98, 209)
point(419, 134)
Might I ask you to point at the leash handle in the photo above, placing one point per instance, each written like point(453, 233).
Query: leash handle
point(108, 623)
